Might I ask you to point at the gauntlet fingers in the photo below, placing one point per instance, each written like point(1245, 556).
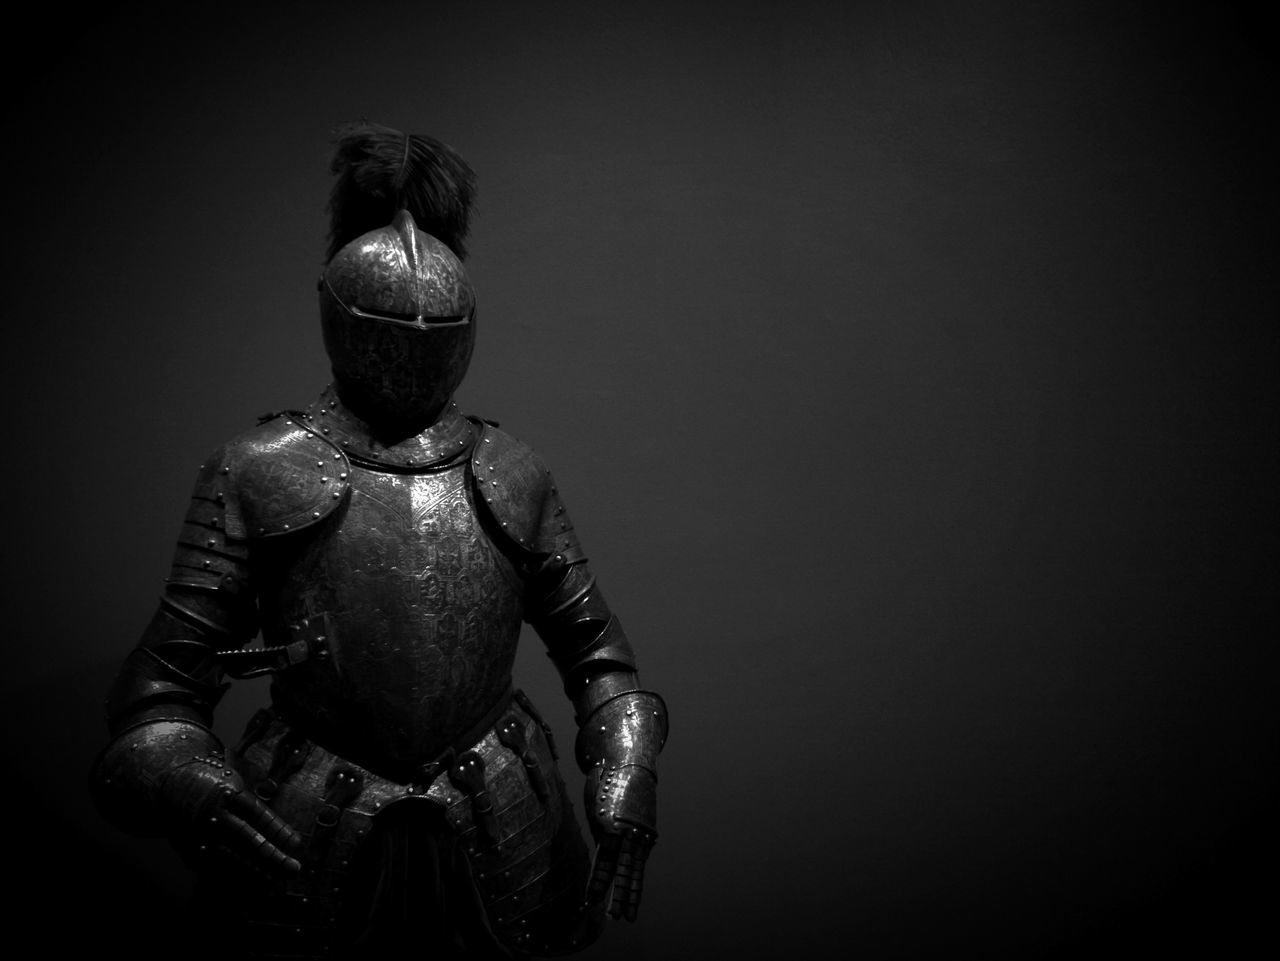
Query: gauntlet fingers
point(246, 843)
point(274, 829)
point(629, 880)
point(602, 874)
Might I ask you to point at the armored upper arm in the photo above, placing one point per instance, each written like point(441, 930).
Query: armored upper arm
point(270, 481)
point(563, 602)
point(276, 479)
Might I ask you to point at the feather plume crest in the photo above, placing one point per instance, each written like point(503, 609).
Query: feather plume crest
point(381, 170)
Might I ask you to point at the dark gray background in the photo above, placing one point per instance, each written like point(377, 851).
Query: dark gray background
point(902, 364)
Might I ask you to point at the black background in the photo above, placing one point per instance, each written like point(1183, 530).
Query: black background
point(904, 366)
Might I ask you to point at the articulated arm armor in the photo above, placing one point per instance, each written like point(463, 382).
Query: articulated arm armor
point(165, 772)
point(622, 727)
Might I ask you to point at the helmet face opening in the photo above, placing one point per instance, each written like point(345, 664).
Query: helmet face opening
point(391, 317)
point(398, 316)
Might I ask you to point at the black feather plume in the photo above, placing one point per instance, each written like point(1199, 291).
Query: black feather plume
point(381, 170)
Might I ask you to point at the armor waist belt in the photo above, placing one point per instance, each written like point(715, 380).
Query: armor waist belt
point(405, 772)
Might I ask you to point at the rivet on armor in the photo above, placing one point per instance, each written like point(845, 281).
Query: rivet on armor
point(337, 494)
point(319, 463)
point(342, 477)
point(286, 526)
point(212, 542)
point(324, 430)
point(289, 422)
point(324, 480)
point(226, 470)
point(315, 514)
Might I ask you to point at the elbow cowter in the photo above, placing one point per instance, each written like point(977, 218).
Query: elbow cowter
point(582, 635)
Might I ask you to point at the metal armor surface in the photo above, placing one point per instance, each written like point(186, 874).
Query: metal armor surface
point(501, 805)
point(411, 612)
point(518, 490)
point(398, 315)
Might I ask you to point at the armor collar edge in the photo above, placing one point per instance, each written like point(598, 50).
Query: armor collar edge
point(448, 439)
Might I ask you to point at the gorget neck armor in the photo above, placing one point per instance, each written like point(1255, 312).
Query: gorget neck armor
point(445, 441)
point(398, 315)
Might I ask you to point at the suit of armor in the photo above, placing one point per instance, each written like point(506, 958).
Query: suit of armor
point(388, 549)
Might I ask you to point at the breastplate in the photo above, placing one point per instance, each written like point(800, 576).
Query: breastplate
point(413, 611)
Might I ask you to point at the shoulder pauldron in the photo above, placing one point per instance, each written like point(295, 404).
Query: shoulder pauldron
point(274, 479)
point(521, 495)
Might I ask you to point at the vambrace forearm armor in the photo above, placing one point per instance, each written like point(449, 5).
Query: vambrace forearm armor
point(172, 665)
point(622, 728)
point(583, 637)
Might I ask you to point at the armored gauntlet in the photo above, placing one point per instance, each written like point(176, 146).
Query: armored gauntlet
point(168, 774)
point(617, 747)
point(165, 773)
